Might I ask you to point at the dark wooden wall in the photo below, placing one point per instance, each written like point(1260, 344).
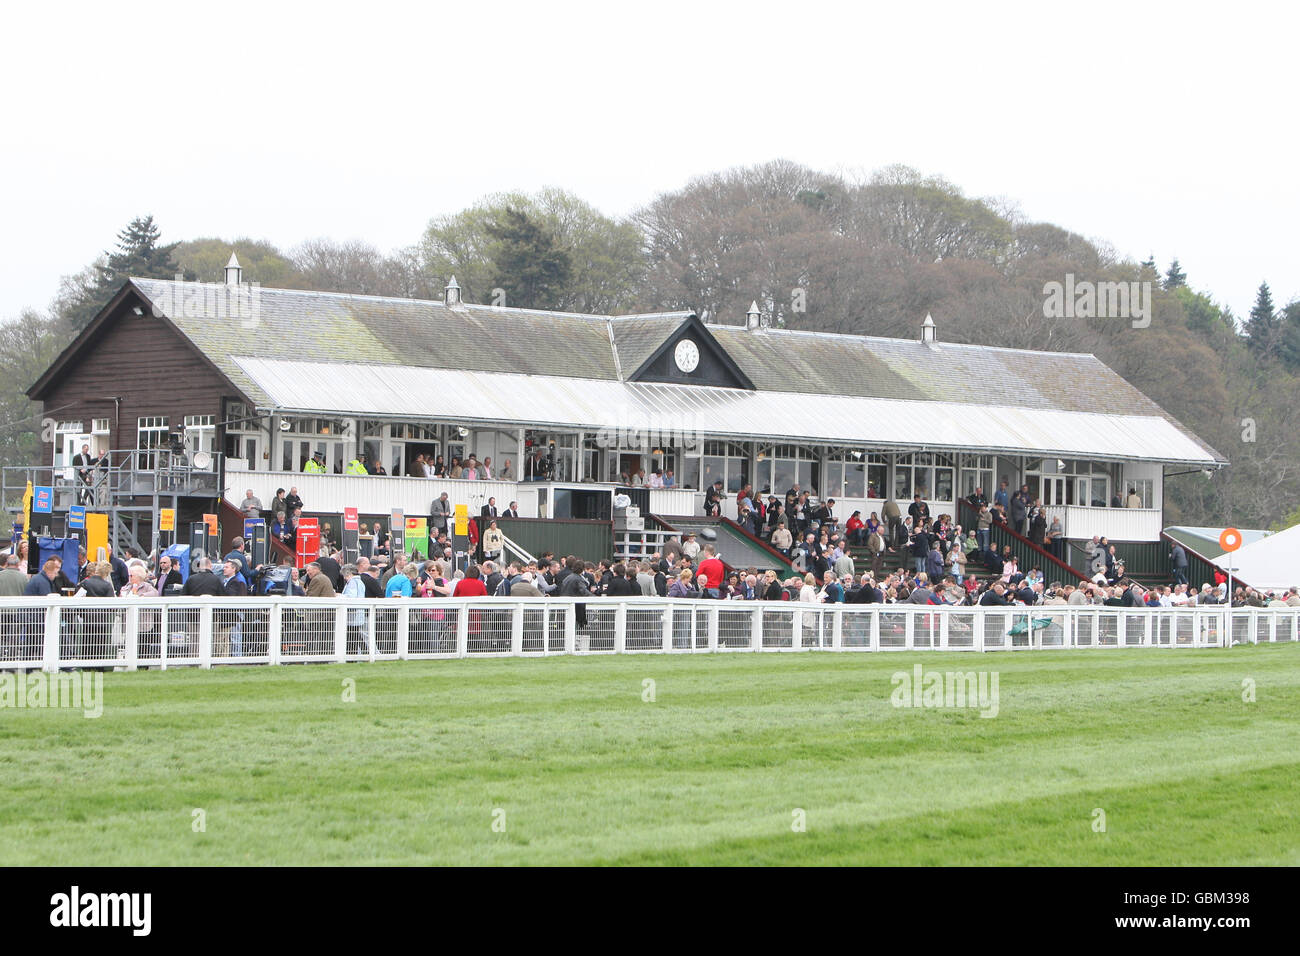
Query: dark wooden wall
point(149, 365)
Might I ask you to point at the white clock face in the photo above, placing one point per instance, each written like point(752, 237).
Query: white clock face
point(687, 355)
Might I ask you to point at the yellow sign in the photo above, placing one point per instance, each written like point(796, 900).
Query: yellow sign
point(212, 524)
point(167, 519)
point(97, 537)
point(462, 520)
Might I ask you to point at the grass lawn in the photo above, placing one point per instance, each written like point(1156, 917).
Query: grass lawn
point(580, 769)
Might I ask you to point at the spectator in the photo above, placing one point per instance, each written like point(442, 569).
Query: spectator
point(681, 586)
point(202, 581)
point(1178, 557)
point(138, 586)
point(471, 585)
point(251, 506)
point(13, 580)
point(319, 584)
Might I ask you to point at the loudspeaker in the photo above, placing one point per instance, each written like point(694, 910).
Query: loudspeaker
point(257, 541)
point(200, 543)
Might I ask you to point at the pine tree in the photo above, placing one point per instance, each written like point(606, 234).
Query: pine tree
point(527, 263)
point(1175, 277)
point(137, 254)
point(1148, 267)
point(1263, 328)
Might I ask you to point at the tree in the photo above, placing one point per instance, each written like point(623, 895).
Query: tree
point(28, 344)
point(527, 264)
point(1289, 346)
point(137, 254)
point(1175, 277)
point(606, 258)
point(1263, 328)
point(204, 260)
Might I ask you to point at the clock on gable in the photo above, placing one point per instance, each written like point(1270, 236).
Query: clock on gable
point(687, 356)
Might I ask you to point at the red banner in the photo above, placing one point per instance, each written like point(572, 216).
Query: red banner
point(350, 517)
point(308, 542)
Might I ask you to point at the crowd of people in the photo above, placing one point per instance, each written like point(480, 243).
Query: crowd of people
point(931, 560)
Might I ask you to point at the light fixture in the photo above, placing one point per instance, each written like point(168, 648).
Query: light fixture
point(658, 453)
point(462, 431)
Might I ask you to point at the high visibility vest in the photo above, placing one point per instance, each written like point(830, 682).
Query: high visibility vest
point(356, 468)
point(314, 466)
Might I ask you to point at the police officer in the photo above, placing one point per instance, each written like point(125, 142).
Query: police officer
point(316, 464)
point(357, 466)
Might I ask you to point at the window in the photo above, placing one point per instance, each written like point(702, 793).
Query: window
point(855, 474)
point(99, 426)
point(150, 435)
point(977, 472)
point(925, 474)
point(413, 432)
point(785, 465)
point(200, 434)
point(719, 459)
point(590, 459)
point(1145, 488)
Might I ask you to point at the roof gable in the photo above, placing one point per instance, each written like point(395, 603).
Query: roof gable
point(704, 362)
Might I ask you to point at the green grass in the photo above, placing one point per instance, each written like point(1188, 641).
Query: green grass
point(286, 772)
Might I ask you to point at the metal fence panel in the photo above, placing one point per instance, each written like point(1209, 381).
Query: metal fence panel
point(119, 633)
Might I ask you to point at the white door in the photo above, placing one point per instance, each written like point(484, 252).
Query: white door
point(71, 448)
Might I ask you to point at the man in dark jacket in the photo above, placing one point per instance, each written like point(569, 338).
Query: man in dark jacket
point(574, 584)
point(369, 575)
point(993, 597)
point(620, 585)
point(203, 583)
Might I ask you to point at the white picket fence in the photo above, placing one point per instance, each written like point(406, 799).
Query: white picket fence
point(167, 632)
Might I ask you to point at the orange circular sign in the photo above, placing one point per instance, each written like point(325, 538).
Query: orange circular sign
point(1230, 539)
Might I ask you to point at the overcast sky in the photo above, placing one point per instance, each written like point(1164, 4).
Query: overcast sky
point(1154, 127)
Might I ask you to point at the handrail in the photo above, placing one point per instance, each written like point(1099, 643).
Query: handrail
point(758, 541)
point(507, 543)
point(1016, 536)
point(1192, 552)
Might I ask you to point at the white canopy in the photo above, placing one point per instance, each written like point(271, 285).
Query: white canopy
point(493, 398)
point(1271, 563)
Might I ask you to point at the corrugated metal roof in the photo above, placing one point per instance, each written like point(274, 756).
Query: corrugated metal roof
point(941, 384)
point(398, 391)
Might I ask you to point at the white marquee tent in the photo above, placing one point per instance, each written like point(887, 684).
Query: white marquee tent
point(1271, 563)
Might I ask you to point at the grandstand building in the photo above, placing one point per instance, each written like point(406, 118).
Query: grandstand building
point(262, 379)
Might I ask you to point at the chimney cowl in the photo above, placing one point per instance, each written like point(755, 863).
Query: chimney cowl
point(234, 272)
point(451, 293)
